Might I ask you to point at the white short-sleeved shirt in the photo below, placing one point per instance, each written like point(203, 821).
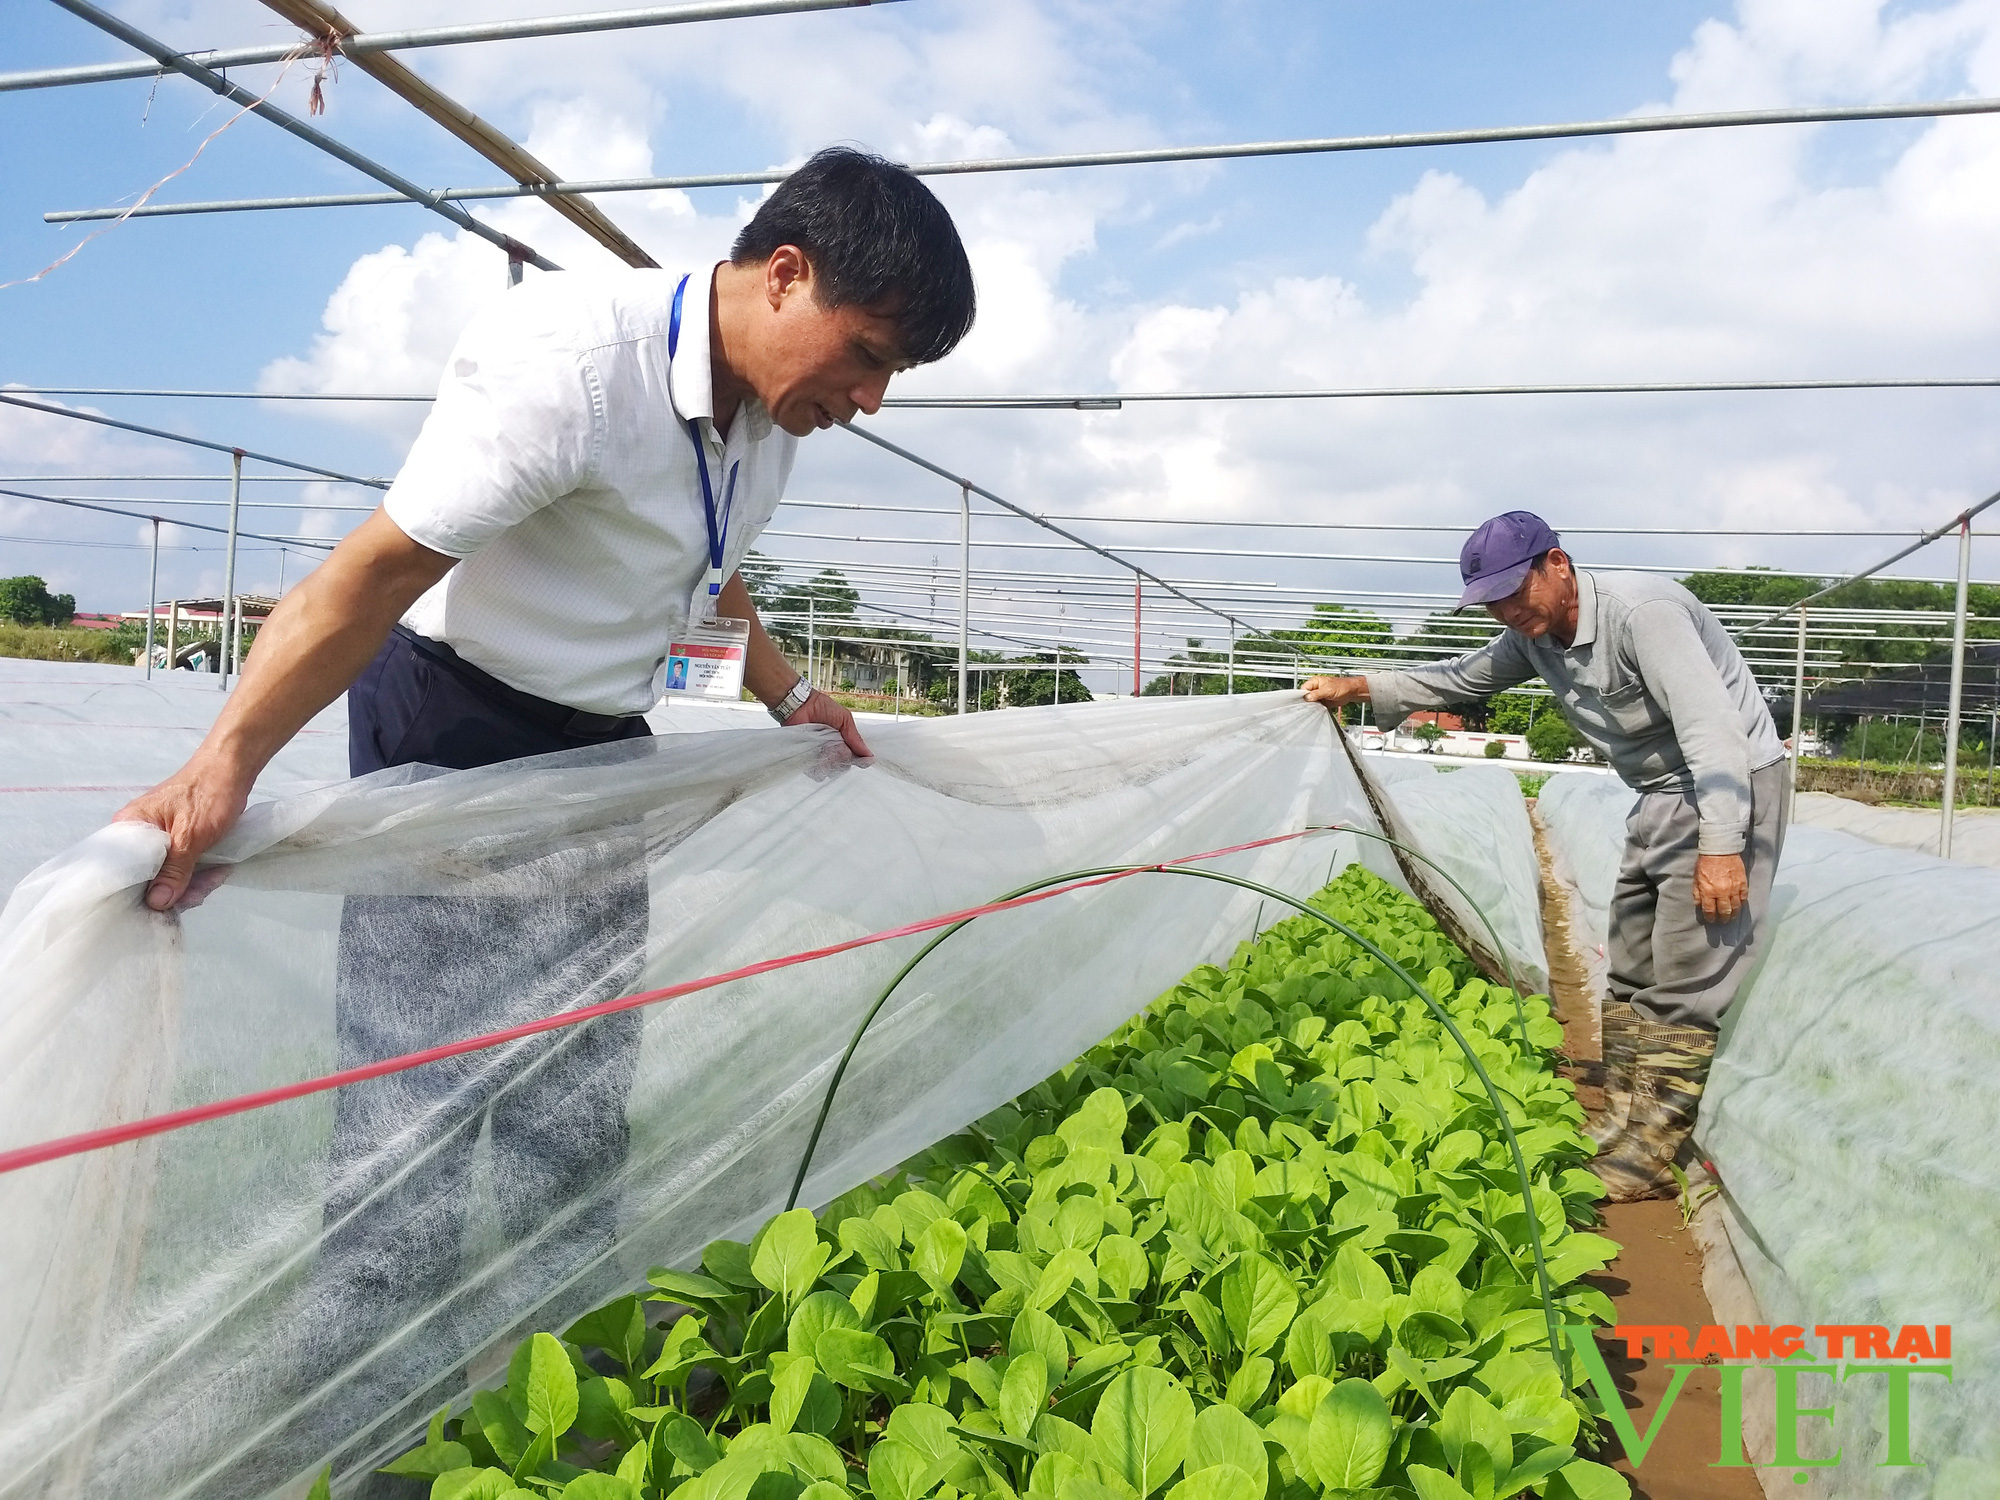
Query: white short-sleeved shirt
point(555, 467)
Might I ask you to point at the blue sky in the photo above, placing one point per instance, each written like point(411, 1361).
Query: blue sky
point(1852, 250)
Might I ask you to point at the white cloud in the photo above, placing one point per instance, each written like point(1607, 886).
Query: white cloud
point(1731, 254)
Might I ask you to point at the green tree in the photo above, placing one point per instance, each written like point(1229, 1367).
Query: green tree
point(760, 576)
point(1447, 634)
point(1551, 738)
point(1340, 631)
point(27, 601)
point(1512, 713)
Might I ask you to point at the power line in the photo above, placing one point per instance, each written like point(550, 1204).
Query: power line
point(1323, 145)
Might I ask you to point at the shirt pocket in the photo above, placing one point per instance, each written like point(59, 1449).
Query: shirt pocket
point(1631, 710)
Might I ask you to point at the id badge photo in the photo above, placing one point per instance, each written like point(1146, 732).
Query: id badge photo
point(706, 660)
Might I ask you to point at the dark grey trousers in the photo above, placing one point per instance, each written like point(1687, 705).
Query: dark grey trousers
point(394, 1304)
point(1662, 957)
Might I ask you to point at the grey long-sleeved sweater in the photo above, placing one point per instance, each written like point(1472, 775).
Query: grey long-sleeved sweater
point(1652, 681)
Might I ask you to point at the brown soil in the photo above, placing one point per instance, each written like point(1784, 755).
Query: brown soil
point(1657, 1276)
point(1657, 1279)
point(1569, 983)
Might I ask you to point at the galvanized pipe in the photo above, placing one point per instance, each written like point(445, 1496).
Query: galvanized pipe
point(964, 587)
point(1113, 401)
point(1963, 518)
point(138, 515)
point(1798, 708)
point(968, 488)
point(1641, 125)
point(152, 597)
point(1952, 712)
point(228, 642)
point(1138, 605)
point(1116, 400)
point(192, 442)
point(438, 36)
point(165, 57)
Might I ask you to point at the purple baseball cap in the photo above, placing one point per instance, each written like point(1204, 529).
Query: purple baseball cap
point(1497, 556)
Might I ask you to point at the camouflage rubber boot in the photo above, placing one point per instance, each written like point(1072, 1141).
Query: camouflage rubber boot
point(1614, 1072)
point(1669, 1069)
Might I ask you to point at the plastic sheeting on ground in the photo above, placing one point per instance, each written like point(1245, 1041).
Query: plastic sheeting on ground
point(1975, 834)
point(217, 1311)
point(1474, 822)
point(1852, 1114)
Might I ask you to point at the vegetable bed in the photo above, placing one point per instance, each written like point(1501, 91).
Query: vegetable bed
point(1264, 1243)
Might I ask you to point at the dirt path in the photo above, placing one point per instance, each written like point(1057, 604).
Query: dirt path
point(1657, 1277)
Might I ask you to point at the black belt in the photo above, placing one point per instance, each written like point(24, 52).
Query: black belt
point(548, 714)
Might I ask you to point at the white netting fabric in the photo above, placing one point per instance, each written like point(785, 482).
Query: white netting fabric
point(78, 740)
point(1474, 822)
point(1975, 833)
point(218, 1311)
point(1585, 819)
point(1852, 1113)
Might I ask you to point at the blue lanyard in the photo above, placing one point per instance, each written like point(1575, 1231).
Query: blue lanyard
point(718, 531)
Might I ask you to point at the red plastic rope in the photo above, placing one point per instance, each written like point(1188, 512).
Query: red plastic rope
point(180, 1119)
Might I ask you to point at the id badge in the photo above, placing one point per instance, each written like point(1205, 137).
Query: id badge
point(706, 660)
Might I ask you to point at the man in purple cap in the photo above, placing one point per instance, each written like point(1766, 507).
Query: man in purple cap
point(1652, 681)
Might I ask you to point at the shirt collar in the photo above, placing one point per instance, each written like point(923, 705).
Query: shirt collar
point(1586, 610)
point(691, 378)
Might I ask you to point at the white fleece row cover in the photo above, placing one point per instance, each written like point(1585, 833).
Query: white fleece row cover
point(1474, 822)
point(1851, 1115)
point(158, 1295)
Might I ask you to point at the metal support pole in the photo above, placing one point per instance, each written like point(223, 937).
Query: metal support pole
point(812, 640)
point(152, 597)
point(1798, 707)
point(227, 644)
point(284, 556)
point(173, 630)
point(1138, 595)
point(964, 587)
point(1951, 720)
point(1232, 659)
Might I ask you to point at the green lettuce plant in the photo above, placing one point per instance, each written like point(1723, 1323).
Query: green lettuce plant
point(1263, 1243)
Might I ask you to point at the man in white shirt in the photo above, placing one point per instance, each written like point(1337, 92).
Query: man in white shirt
point(600, 458)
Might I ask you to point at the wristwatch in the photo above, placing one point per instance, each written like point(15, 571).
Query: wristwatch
point(792, 702)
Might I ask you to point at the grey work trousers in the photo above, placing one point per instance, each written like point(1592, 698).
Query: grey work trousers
point(1662, 957)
